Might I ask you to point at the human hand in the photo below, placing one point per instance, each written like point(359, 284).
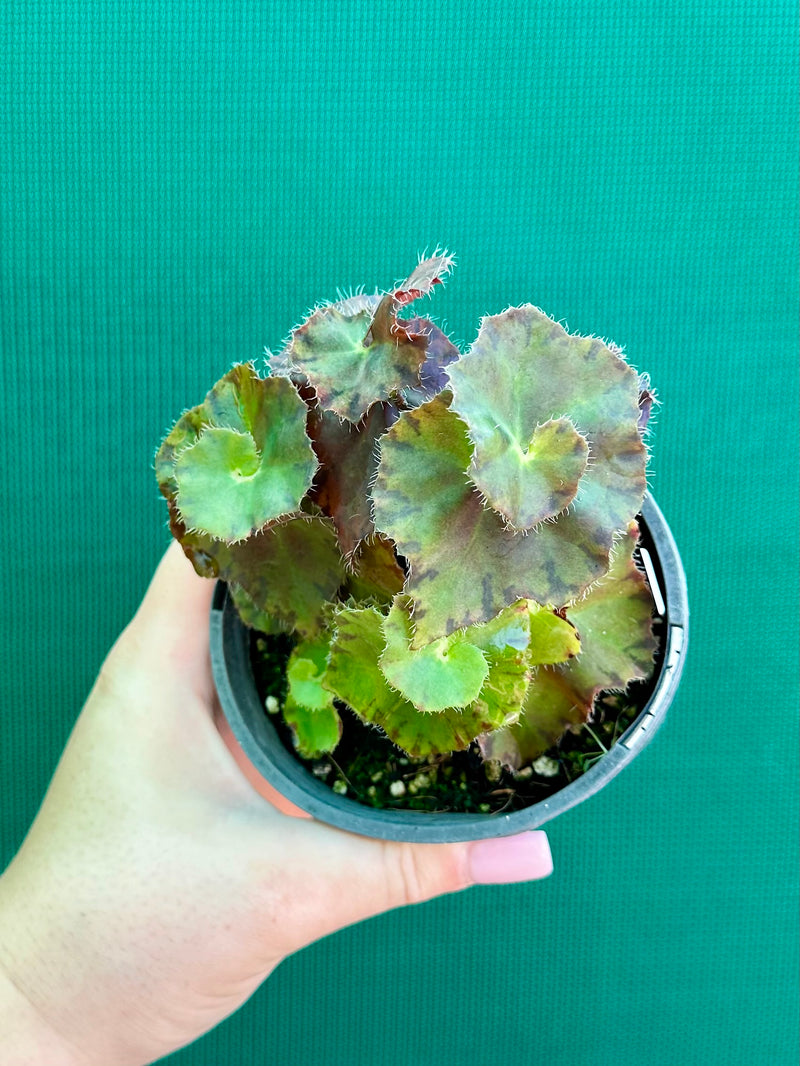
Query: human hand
point(158, 887)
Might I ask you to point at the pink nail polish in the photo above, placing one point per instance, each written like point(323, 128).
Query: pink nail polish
point(523, 857)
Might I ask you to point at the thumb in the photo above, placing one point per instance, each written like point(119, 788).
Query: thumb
point(423, 871)
point(338, 878)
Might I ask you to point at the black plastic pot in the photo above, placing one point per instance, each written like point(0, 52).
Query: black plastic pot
point(230, 660)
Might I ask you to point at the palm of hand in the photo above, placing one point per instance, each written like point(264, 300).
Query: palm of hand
point(157, 887)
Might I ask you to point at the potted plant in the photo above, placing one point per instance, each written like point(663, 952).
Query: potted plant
point(432, 562)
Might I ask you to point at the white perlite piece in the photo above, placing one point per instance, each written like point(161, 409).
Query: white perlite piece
point(420, 781)
point(272, 705)
point(397, 788)
point(545, 766)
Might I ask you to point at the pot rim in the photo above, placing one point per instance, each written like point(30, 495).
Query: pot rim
point(250, 724)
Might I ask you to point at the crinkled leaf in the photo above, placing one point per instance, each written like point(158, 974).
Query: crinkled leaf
point(348, 458)
point(538, 402)
point(505, 643)
point(376, 572)
point(281, 577)
point(614, 620)
point(433, 375)
point(241, 459)
point(466, 566)
point(305, 672)
point(553, 638)
point(440, 351)
point(355, 677)
point(449, 672)
point(315, 732)
point(199, 548)
point(348, 372)
point(551, 706)
point(617, 647)
point(184, 433)
point(290, 570)
point(252, 616)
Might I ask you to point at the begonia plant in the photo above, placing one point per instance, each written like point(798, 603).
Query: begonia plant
point(446, 537)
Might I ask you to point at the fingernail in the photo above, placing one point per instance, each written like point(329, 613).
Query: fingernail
point(503, 860)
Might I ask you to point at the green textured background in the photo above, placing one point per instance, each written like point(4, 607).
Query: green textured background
point(178, 183)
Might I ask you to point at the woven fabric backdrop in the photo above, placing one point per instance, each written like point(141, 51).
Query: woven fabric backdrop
point(179, 182)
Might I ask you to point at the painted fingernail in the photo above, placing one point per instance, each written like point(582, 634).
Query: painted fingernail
point(503, 860)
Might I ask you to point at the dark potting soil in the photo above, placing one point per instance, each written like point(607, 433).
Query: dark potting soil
point(369, 768)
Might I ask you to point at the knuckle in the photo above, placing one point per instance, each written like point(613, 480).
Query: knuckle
point(410, 874)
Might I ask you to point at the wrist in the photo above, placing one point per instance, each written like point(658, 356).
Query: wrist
point(27, 1037)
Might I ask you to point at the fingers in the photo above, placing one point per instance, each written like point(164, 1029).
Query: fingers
point(249, 772)
point(176, 588)
point(425, 871)
point(524, 857)
point(173, 616)
point(335, 878)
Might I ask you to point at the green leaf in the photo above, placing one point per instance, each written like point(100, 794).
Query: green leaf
point(315, 732)
point(355, 677)
point(308, 708)
point(551, 706)
point(353, 358)
point(282, 576)
point(252, 616)
point(287, 572)
point(450, 672)
point(184, 433)
point(305, 672)
point(465, 565)
point(553, 419)
point(349, 372)
point(505, 642)
point(250, 461)
point(553, 638)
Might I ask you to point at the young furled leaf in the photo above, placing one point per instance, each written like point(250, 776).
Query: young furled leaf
point(309, 709)
point(353, 360)
point(348, 458)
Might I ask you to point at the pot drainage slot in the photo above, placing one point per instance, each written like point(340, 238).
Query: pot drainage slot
point(650, 721)
point(652, 580)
